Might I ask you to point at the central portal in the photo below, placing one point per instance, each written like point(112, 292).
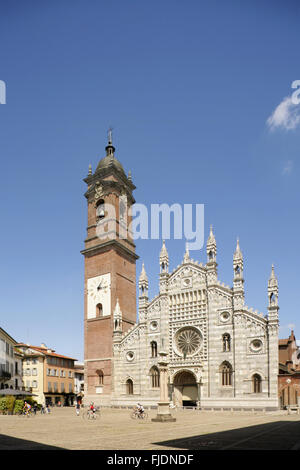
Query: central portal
point(185, 389)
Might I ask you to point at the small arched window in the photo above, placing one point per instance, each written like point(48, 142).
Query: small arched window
point(153, 349)
point(154, 375)
point(256, 382)
point(100, 377)
point(100, 210)
point(122, 208)
point(99, 310)
point(226, 374)
point(226, 342)
point(129, 387)
point(237, 270)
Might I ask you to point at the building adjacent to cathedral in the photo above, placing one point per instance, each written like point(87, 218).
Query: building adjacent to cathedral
point(220, 352)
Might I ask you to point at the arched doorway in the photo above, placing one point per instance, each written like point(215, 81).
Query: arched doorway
point(185, 389)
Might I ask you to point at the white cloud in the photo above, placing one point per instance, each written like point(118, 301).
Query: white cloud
point(285, 330)
point(288, 168)
point(286, 115)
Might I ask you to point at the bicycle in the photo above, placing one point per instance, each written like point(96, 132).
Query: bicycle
point(135, 414)
point(89, 414)
point(26, 413)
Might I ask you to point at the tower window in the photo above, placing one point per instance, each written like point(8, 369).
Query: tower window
point(237, 270)
point(100, 210)
point(129, 387)
point(100, 377)
point(122, 209)
point(99, 310)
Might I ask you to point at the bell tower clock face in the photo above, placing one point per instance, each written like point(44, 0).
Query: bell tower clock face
point(98, 296)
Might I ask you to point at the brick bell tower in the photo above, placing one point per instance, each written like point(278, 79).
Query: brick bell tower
point(110, 271)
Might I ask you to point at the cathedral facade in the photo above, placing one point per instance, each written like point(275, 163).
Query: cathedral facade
point(221, 354)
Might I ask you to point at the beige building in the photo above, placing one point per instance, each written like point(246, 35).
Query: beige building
point(10, 363)
point(48, 375)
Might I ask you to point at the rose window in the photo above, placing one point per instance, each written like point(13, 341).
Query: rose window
point(130, 356)
point(256, 345)
point(188, 341)
point(224, 317)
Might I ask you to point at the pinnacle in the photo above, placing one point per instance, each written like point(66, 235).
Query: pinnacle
point(237, 253)
point(143, 275)
point(163, 251)
point(211, 239)
point(187, 253)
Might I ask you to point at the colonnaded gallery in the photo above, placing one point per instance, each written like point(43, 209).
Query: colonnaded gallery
point(220, 352)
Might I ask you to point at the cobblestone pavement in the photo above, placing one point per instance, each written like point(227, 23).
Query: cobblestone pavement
point(115, 430)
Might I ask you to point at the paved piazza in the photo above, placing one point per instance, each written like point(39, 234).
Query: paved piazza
point(115, 430)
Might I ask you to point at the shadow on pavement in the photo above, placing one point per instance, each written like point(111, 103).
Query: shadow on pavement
point(13, 443)
point(278, 435)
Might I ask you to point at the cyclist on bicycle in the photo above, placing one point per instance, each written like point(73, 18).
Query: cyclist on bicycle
point(92, 408)
point(26, 408)
point(140, 409)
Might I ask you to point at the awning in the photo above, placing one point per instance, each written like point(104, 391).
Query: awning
point(9, 391)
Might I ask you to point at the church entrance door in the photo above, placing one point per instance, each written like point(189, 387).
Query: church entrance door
point(185, 389)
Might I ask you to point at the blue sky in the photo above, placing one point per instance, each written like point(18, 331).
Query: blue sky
point(195, 94)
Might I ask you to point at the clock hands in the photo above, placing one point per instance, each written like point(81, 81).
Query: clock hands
point(96, 287)
point(99, 287)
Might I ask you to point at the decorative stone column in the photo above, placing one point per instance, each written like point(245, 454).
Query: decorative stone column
point(171, 391)
point(163, 414)
point(199, 394)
